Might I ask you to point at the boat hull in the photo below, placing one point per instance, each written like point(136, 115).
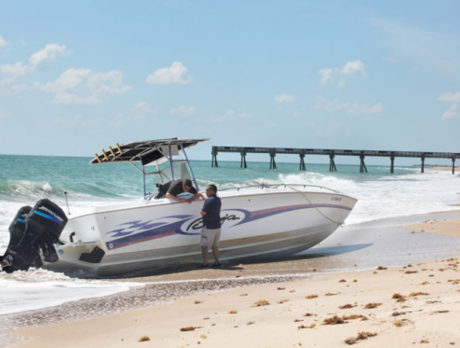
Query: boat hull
point(161, 233)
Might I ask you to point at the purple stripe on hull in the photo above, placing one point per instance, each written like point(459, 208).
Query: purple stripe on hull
point(143, 231)
point(259, 214)
point(112, 246)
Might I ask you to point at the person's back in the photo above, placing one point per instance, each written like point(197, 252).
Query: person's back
point(177, 187)
point(212, 207)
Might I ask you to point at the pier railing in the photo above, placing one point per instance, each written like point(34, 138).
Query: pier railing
point(302, 152)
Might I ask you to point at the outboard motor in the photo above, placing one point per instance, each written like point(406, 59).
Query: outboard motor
point(43, 226)
point(17, 229)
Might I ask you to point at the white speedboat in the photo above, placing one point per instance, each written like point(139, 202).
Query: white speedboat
point(154, 233)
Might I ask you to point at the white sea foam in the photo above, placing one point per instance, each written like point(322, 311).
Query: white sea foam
point(39, 288)
point(390, 196)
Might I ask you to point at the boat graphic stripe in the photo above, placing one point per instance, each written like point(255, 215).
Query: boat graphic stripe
point(46, 216)
point(141, 232)
point(119, 244)
point(281, 209)
point(259, 214)
point(134, 232)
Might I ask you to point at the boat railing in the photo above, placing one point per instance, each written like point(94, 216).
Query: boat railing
point(263, 185)
point(294, 187)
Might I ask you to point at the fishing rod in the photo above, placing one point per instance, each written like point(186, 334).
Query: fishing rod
point(67, 202)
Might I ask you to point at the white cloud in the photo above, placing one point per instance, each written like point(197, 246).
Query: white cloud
point(284, 98)
point(175, 74)
point(84, 86)
point(347, 107)
point(50, 52)
point(326, 75)
point(19, 69)
point(3, 42)
point(15, 70)
point(353, 68)
point(337, 76)
point(450, 97)
point(183, 110)
point(452, 112)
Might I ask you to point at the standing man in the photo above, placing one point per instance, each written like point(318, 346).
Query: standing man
point(210, 234)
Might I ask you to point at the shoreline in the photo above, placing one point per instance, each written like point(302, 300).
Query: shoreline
point(101, 310)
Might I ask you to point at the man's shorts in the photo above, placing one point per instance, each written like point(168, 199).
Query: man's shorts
point(210, 237)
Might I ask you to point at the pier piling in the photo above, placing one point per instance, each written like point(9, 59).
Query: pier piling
point(362, 166)
point(272, 159)
point(302, 162)
point(243, 163)
point(332, 167)
point(214, 157)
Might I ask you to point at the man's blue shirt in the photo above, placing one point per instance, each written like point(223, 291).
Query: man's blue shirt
point(212, 208)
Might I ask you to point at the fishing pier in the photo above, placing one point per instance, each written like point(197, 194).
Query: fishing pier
point(362, 154)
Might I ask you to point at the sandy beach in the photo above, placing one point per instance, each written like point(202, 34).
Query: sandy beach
point(414, 304)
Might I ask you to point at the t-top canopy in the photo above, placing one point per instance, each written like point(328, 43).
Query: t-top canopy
point(144, 151)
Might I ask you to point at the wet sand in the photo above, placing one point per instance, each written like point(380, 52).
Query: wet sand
point(208, 303)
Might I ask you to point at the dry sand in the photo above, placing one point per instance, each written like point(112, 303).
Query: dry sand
point(444, 168)
point(449, 227)
point(414, 305)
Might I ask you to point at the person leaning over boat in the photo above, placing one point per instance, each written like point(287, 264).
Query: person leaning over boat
point(176, 187)
point(210, 234)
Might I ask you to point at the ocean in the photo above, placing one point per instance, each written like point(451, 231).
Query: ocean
point(26, 179)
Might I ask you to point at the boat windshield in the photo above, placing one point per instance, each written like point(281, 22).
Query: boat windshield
point(163, 175)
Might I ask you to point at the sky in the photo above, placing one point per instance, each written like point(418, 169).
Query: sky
point(79, 76)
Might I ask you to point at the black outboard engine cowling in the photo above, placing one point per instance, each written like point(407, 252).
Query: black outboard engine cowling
point(18, 226)
point(43, 226)
point(17, 229)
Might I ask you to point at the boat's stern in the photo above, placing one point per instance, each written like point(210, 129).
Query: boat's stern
point(81, 246)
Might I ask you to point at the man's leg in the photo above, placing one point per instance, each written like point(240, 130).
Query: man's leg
point(215, 252)
point(204, 245)
point(204, 253)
